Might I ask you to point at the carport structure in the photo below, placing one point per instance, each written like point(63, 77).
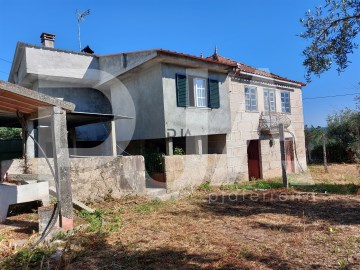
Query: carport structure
point(20, 106)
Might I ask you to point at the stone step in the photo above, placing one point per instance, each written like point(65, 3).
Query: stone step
point(154, 192)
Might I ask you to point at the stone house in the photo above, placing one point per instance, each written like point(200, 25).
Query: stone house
point(220, 113)
point(259, 101)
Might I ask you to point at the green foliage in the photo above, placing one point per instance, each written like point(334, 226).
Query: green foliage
point(205, 186)
point(179, 151)
point(27, 259)
point(148, 207)
point(343, 130)
point(341, 135)
point(331, 31)
point(251, 185)
point(102, 220)
point(10, 133)
point(61, 235)
point(153, 159)
point(277, 184)
point(329, 188)
point(95, 219)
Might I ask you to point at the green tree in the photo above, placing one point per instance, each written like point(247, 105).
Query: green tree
point(10, 133)
point(343, 129)
point(331, 30)
point(318, 136)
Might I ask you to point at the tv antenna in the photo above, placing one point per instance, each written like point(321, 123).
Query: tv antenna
point(80, 16)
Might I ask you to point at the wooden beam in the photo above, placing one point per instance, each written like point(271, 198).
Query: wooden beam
point(15, 106)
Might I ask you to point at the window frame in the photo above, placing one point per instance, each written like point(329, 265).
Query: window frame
point(283, 102)
point(196, 94)
point(268, 102)
point(246, 99)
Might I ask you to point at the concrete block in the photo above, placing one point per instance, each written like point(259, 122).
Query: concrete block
point(12, 194)
point(45, 213)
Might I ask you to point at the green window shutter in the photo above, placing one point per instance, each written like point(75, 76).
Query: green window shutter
point(181, 91)
point(214, 95)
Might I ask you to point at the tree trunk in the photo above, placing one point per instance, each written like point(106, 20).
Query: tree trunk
point(324, 152)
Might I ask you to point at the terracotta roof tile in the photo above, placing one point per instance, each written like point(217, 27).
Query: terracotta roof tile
point(248, 69)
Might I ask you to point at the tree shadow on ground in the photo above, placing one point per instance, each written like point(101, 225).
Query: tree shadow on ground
point(23, 226)
point(101, 255)
point(344, 189)
point(313, 206)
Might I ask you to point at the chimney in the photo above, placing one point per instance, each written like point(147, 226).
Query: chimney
point(47, 40)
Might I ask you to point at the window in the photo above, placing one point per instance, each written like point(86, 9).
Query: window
point(269, 100)
point(285, 102)
point(200, 92)
point(251, 99)
point(197, 92)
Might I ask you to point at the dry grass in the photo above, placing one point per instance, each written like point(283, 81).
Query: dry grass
point(338, 174)
point(238, 229)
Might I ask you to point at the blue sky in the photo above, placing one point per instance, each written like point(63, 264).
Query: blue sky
point(259, 33)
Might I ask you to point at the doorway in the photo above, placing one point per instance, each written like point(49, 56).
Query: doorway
point(289, 155)
point(253, 152)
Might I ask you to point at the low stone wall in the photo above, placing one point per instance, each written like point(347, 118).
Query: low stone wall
point(187, 171)
point(92, 177)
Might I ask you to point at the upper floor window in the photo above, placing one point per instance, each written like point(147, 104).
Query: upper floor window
point(251, 99)
point(200, 93)
point(269, 100)
point(197, 92)
point(285, 102)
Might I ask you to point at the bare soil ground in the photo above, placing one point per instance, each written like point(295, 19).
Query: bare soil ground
point(273, 229)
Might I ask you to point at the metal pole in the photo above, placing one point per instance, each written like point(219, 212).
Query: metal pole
point(283, 157)
point(79, 35)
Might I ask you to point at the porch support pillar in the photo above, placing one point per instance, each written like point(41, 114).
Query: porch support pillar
point(113, 139)
point(62, 166)
point(29, 143)
point(198, 145)
point(169, 146)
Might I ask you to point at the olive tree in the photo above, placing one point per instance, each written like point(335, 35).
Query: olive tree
point(331, 30)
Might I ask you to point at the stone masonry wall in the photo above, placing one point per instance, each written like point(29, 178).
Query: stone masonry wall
point(92, 177)
point(187, 171)
point(244, 127)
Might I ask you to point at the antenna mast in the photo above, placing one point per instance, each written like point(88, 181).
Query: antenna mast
point(80, 16)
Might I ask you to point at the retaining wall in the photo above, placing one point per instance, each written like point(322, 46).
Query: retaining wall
point(187, 171)
point(91, 177)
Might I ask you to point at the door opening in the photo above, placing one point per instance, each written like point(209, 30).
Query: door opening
point(253, 152)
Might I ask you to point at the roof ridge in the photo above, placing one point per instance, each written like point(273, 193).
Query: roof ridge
point(250, 69)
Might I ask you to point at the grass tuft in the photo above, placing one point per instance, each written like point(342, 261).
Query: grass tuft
point(95, 219)
point(329, 188)
point(259, 184)
point(148, 207)
point(205, 186)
